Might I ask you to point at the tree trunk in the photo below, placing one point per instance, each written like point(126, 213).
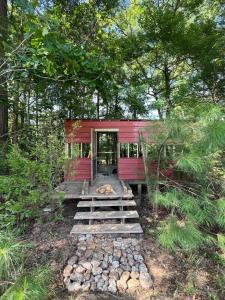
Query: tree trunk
point(98, 104)
point(167, 90)
point(3, 86)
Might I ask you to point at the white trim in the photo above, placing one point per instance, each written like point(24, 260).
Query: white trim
point(106, 130)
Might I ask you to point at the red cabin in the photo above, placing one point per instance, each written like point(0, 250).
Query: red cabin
point(106, 147)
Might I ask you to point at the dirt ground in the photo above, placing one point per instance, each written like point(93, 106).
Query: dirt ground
point(174, 277)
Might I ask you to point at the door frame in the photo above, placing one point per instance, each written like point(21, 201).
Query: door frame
point(94, 148)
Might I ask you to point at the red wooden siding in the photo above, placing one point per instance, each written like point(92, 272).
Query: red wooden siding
point(128, 132)
point(131, 169)
point(79, 169)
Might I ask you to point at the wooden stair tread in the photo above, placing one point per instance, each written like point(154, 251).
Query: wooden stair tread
point(106, 203)
point(106, 228)
point(96, 215)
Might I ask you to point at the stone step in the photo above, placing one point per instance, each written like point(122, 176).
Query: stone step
point(106, 203)
point(106, 228)
point(102, 215)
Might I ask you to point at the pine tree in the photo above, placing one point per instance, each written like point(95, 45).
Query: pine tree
point(194, 196)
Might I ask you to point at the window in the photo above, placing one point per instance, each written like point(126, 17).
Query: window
point(84, 150)
point(124, 150)
point(81, 150)
point(69, 150)
point(130, 150)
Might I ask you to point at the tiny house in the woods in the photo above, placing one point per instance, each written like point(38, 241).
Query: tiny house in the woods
point(105, 147)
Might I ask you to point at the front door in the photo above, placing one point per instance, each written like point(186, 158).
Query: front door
point(107, 155)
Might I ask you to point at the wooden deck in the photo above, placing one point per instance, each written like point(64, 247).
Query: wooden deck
point(82, 190)
point(117, 206)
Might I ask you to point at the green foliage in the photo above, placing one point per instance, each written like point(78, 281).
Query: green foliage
point(16, 283)
point(183, 234)
point(196, 204)
point(10, 255)
point(33, 286)
point(31, 181)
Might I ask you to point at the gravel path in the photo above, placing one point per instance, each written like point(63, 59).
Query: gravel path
point(114, 265)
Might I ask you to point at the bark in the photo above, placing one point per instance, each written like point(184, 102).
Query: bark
point(167, 90)
point(98, 104)
point(3, 86)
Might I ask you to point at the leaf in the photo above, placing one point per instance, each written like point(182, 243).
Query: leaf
point(45, 31)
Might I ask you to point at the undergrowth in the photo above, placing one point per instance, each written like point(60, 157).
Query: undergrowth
point(193, 194)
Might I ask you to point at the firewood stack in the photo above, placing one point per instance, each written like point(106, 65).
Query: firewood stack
point(105, 189)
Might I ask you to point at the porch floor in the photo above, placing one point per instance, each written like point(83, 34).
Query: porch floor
point(115, 211)
point(76, 190)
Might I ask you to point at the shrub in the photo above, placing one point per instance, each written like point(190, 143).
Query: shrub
point(30, 183)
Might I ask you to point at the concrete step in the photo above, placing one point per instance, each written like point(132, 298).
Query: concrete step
point(106, 228)
point(102, 215)
point(106, 203)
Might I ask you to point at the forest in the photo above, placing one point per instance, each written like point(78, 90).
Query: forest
point(113, 59)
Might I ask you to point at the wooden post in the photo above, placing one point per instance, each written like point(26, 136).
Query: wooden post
point(139, 193)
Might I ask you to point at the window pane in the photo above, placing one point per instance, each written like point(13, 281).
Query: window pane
point(69, 153)
point(86, 150)
point(133, 151)
point(140, 154)
point(123, 150)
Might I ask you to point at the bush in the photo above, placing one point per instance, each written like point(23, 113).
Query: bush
point(30, 183)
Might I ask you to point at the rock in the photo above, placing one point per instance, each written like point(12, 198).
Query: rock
point(125, 267)
point(122, 283)
point(143, 268)
point(134, 275)
point(130, 256)
point(115, 264)
point(86, 265)
point(139, 258)
point(112, 286)
point(95, 263)
point(87, 275)
point(133, 283)
point(134, 242)
point(117, 254)
point(123, 260)
point(97, 278)
point(80, 269)
point(77, 277)
point(145, 280)
point(110, 259)
point(113, 274)
point(109, 250)
point(135, 269)
point(73, 260)
point(86, 286)
point(98, 255)
point(88, 254)
point(96, 271)
point(67, 271)
point(119, 271)
point(131, 262)
point(104, 277)
point(104, 265)
point(93, 286)
point(100, 283)
point(74, 287)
